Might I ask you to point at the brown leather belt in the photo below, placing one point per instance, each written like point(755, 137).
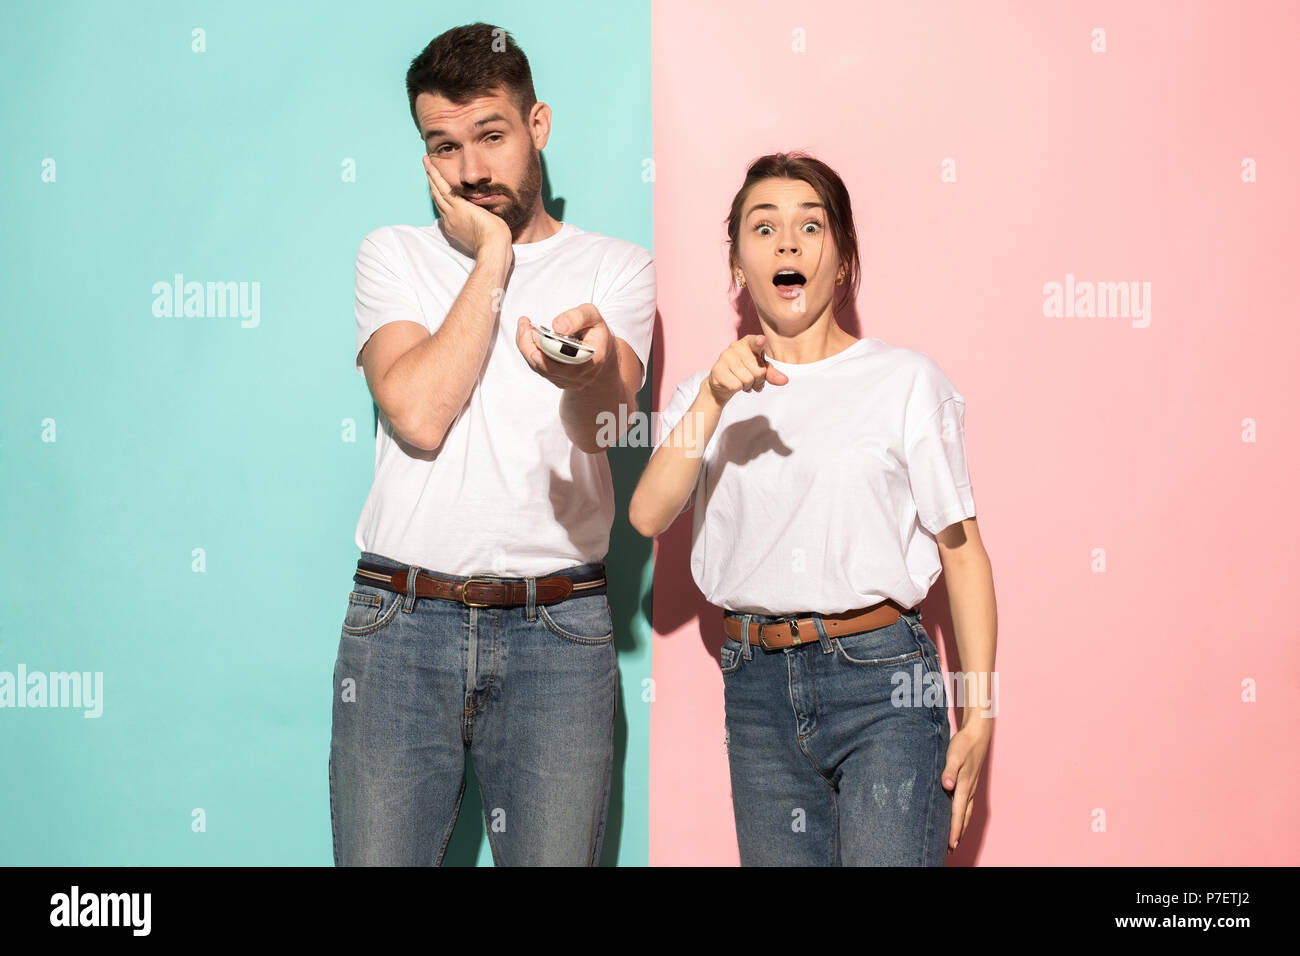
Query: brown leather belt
point(482, 590)
point(794, 631)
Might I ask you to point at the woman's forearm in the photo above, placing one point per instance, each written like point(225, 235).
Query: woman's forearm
point(975, 623)
point(674, 468)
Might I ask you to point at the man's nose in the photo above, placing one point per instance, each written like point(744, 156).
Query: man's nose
point(473, 171)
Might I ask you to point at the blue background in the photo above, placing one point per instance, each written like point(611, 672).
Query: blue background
point(176, 434)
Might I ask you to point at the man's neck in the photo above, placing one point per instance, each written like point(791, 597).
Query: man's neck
point(540, 226)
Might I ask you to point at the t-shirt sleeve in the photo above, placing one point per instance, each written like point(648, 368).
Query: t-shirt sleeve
point(383, 293)
point(628, 305)
point(680, 402)
point(936, 453)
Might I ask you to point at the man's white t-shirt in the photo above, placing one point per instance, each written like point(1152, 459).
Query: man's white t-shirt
point(824, 494)
point(507, 493)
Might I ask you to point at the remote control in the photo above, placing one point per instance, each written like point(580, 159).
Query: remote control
point(563, 348)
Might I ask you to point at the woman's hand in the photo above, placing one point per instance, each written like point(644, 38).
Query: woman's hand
point(966, 753)
point(470, 224)
point(741, 366)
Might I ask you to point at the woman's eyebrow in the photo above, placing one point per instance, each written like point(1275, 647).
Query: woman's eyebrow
point(772, 206)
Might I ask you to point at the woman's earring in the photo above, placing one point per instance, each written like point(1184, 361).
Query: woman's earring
point(740, 279)
point(840, 280)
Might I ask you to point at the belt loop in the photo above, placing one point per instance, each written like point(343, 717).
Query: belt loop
point(821, 634)
point(744, 636)
point(916, 614)
point(532, 598)
point(411, 574)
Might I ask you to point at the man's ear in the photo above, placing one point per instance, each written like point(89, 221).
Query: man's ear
point(539, 124)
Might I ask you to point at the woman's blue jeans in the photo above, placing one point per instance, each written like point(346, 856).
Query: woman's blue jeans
point(837, 748)
point(529, 693)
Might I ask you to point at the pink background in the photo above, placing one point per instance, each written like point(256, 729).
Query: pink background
point(1119, 691)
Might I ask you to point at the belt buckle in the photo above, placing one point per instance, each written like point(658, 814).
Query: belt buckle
point(794, 633)
point(465, 588)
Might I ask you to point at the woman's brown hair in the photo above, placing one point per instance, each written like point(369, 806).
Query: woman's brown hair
point(829, 188)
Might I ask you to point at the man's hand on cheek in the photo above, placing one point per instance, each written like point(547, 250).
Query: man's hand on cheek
point(582, 322)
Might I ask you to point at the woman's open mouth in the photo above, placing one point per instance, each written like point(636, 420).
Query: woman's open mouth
point(789, 283)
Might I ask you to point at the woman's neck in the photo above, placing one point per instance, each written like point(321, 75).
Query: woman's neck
point(816, 342)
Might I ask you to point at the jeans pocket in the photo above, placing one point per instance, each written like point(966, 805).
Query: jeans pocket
point(580, 620)
point(878, 647)
point(370, 609)
point(730, 656)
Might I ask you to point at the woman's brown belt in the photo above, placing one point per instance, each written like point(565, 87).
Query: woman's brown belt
point(793, 631)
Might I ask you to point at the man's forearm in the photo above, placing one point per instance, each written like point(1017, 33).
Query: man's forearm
point(584, 411)
point(435, 378)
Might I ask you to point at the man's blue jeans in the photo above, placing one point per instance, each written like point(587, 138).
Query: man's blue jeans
point(528, 692)
point(837, 748)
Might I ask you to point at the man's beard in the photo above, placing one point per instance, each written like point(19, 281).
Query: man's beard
point(518, 206)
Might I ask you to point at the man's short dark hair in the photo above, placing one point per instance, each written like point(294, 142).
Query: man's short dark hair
point(470, 61)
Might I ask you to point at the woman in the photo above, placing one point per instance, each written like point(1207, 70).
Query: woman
point(827, 473)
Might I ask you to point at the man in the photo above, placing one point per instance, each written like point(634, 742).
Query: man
point(478, 620)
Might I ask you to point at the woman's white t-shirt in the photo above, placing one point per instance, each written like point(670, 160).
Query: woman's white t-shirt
point(825, 494)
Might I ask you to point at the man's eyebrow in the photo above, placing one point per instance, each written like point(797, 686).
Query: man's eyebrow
point(772, 206)
point(494, 118)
